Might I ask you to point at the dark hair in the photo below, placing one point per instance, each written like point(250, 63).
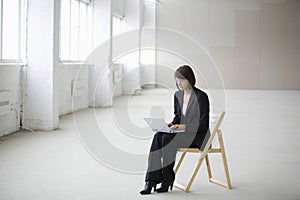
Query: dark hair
point(186, 72)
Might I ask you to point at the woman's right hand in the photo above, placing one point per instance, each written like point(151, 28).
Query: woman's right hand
point(170, 124)
point(178, 127)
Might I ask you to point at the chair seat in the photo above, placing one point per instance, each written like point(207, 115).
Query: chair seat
point(196, 150)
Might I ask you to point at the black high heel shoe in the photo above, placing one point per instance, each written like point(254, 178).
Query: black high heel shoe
point(148, 187)
point(165, 186)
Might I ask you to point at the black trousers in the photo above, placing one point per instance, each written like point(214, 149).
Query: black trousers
point(162, 154)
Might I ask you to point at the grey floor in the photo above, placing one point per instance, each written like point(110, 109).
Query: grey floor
point(261, 134)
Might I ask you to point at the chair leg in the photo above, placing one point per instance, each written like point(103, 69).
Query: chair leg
point(224, 159)
point(208, 167)
point(176, 184)
point(194, 174)
point(179, 162)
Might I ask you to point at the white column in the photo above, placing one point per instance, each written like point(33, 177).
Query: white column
point(131, 79)
point(100, 84)
point(40, 102)
point(148, 39)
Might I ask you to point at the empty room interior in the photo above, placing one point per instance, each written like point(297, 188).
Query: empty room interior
point(78, 77)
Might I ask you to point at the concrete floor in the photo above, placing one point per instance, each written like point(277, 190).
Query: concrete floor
point(261, 134)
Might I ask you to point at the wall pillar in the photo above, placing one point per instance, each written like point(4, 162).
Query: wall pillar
point(40, 101)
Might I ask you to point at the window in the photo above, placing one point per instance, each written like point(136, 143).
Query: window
point(118, 25)
point(74, 30)
point(12, 40)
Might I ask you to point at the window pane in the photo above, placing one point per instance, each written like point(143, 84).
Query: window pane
point(118, 25)
point(22, 36)
point(10, 31)
point(74, 29)
point(89, 29)
point(65, 30)
point(82, 32)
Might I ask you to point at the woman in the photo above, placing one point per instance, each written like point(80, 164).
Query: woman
point(191, 109)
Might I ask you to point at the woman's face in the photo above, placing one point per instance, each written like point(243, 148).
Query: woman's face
point(182, 84)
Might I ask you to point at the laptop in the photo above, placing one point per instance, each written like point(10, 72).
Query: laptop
point(159, 125)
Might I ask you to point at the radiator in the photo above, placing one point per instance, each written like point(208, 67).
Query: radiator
point(4, 102)
point(117, 73)
point(78, 88)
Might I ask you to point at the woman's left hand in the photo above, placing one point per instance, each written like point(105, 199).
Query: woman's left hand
point(178, 127)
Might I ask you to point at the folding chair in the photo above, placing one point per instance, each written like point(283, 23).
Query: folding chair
point(216, 121)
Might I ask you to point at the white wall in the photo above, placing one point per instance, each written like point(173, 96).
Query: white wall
point(255, 44)
point(99, 81)
point(10, 77)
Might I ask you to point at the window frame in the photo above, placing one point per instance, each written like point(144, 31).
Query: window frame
point(22, 13)
point(121, 22)
point(69, 59)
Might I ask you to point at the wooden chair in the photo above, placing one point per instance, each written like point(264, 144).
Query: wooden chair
point(215, 121)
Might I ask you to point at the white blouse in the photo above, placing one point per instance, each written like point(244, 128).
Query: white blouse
point(185, 103)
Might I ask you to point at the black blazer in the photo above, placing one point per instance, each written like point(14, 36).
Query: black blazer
point(196, 118)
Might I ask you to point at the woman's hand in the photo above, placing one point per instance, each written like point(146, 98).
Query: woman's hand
point(178, 127)
point(169, 124)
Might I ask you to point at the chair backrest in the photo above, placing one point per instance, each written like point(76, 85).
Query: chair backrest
point(215, 123)
point(213, 119)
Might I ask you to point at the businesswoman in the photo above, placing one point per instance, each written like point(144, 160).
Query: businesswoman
point(191, 110)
